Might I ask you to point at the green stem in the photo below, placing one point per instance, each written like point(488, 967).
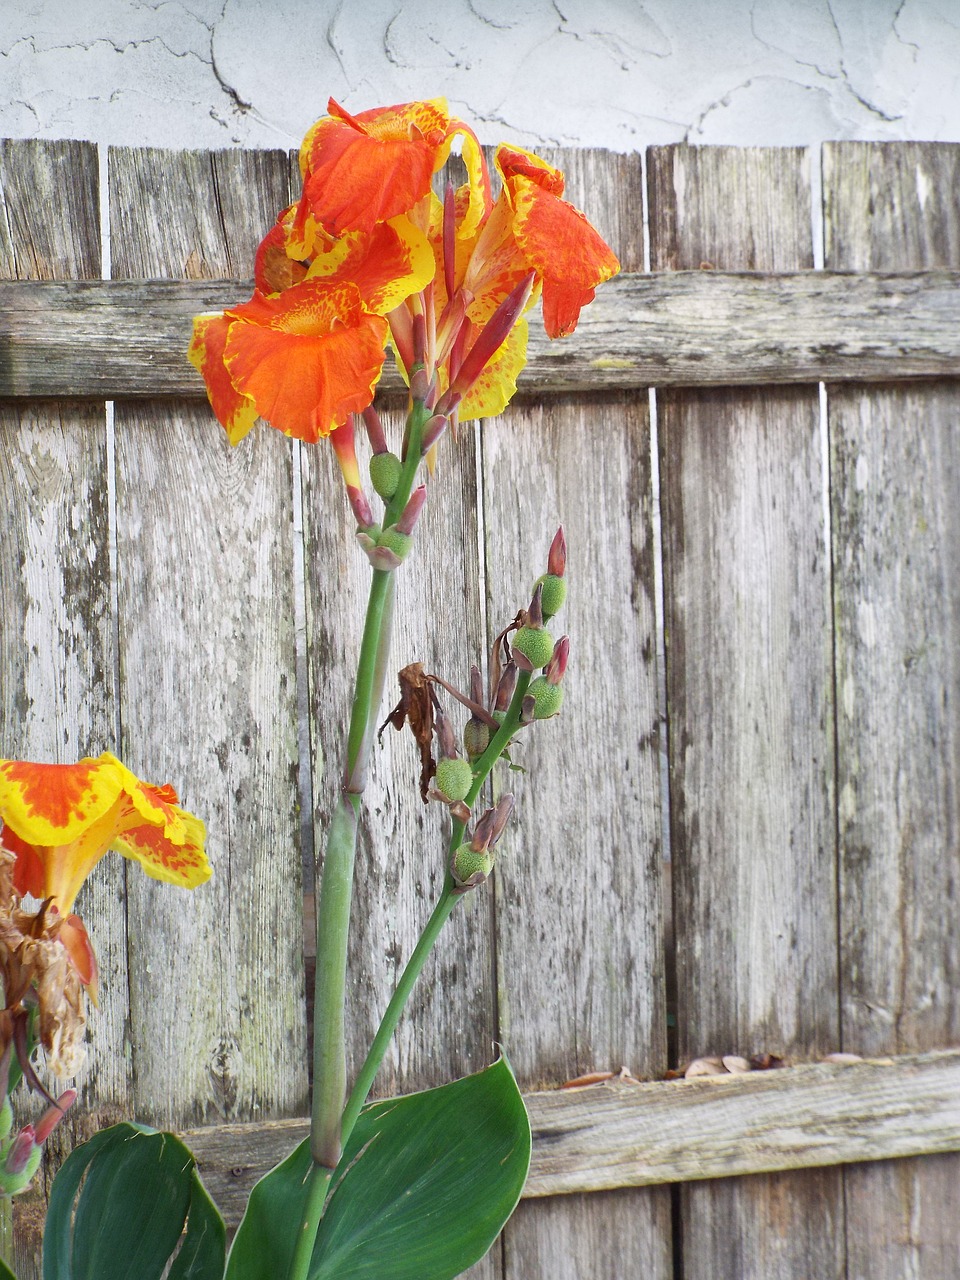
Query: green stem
point(441, 914)
point(336, 885)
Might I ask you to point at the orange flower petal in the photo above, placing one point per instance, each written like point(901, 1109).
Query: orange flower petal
point(306, 358)
point(74, 937)
point(387, 264)
point(364, 169)
point(48, 804)
point(236, 412)
point(61, 819)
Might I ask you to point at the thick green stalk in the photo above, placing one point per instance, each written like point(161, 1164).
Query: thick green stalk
point(336, 885)
point(441, 914)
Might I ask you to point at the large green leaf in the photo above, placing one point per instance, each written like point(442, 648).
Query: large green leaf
point(141, 1204)
point(424, 1186)
point(5, 1272)
point(426, 1182)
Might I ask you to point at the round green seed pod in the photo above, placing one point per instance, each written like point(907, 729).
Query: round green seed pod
point(536, 645)
point(467, 862)
point(547, 698)
point(385, 471)
point(553, 594)
point(453, 778)
point(398, 543)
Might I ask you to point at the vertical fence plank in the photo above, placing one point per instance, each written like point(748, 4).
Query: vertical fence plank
point(749, 709)
point(57, 647)
point(896, 514)
point(579, 927)
point(208, 697)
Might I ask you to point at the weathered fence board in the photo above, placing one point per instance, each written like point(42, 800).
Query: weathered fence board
point(57, 637)
point(206, 620)
point(614, 1136)
point(580, 952)
point(689, 328)
point(749, 708)
point(187, 659)
point(896, 515)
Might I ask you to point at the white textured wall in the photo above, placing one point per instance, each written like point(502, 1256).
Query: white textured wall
point(614, 73)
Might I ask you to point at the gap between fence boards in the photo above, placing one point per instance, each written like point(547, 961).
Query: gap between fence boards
point(625, 1135)
point(112, 339)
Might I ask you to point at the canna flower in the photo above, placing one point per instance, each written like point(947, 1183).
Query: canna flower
point(56, 823)
point(364, 169)
point(532, 229)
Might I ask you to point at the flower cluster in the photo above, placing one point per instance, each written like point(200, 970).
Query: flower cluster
point(369, 255)
point(56, 823)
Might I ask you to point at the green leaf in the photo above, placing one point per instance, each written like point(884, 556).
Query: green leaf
point(5, 1272)
point(426, 1182)
point(141, 1204)
point(263, 1247)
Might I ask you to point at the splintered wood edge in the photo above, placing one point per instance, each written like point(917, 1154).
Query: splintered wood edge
point(128, 338)
point(622, 1135)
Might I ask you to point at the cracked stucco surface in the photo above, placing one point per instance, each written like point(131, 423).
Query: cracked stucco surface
point(614, 73)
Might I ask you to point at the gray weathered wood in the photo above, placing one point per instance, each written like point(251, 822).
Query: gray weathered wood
point(57, 636)
point(205, 556)
point(611, 1137)
point(579, 979)
point(749, 708)
point(686, 328)
point(896, 515)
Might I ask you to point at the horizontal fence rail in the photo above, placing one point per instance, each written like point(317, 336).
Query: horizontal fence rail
point(631, 1135)
point(127, 338)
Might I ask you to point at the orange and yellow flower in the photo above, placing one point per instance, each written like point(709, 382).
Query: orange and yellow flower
point(56, 822)
point(368, 253)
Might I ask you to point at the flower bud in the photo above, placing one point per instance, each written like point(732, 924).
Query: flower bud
point(547, 698)
point(535, 644)
point(476, 737)
point(411, 512)
point(557, 556)
point(419, 384)
point(505, 687)
point(470, 868)
point(453, 779)
point(433, 429)
point(385, 471)
point(553, 592)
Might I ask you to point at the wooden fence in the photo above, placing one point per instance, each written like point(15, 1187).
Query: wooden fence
point(809, 707)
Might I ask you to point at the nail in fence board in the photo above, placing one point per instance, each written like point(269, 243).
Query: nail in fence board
point(746, 583)
point(896, 517)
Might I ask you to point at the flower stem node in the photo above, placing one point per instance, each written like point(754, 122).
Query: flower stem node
point(385, 471)
point(470, 868)
point(553, 593)
point(535, 644)
point(453, 779)
point(547, 698)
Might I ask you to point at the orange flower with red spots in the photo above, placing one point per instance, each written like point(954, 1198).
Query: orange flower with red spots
point(56, 822)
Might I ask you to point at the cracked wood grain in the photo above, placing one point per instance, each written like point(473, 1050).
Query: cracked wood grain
point(749, 675)
point(896, 477)
point(579, 928)
point(208, 687)
point(684, 328)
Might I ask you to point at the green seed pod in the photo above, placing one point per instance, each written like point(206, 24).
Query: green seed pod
point(467, 862)
point(547, 698)
point(385, 471)
point(476, 737)
point(398, 543)
point(536, 645)
point(554, 593)
point(453, 778)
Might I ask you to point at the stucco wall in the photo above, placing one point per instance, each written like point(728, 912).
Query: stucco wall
point(614, 73)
